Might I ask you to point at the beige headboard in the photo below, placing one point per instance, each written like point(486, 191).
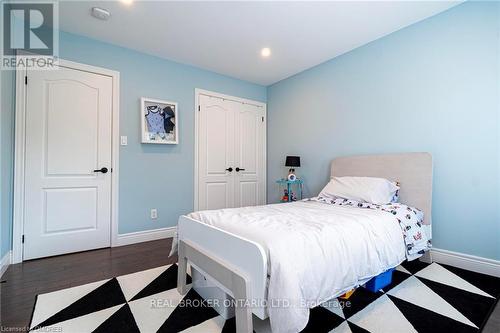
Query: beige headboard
point(412, 170)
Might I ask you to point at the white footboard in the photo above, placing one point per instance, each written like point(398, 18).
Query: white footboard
point(244, 255)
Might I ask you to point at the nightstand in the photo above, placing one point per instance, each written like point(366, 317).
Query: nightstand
point(290, 186)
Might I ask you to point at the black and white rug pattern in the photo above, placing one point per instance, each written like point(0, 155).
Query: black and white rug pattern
point(421, 298)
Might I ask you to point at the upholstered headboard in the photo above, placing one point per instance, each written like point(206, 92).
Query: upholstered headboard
point(412, 170)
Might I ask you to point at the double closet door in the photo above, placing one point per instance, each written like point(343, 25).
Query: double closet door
point(231, 153)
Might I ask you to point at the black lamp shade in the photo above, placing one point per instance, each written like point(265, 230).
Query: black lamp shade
point(292, 161)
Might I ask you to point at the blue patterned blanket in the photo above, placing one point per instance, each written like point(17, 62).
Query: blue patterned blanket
point(410, 220)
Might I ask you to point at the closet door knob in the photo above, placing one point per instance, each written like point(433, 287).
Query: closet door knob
point(238, 169)
point(103, 170)
point(229, 169)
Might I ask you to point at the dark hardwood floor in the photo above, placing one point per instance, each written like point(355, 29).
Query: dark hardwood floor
point(22, 282)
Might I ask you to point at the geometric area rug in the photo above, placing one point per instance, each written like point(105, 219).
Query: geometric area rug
point(421, 298)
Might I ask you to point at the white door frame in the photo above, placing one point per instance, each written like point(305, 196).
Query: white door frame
point(197, 93)
point(20, 147)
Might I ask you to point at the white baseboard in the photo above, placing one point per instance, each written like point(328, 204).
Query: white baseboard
point(4, 264)
point(466, 261)
point(144, 236)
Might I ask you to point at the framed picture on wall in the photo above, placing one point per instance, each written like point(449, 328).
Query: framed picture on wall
point(159, 121)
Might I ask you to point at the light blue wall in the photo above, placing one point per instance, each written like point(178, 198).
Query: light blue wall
point(154, 176)
point(432, 87)
point(151, 176)
point(6, 159)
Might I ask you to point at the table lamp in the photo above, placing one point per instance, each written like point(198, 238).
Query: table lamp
point(292, 162)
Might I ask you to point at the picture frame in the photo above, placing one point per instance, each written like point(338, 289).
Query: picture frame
point(159, 121)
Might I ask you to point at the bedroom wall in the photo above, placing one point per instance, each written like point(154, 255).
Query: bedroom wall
point(154, 176)
point(6, 159)
point(151, 176)
point(433, 86)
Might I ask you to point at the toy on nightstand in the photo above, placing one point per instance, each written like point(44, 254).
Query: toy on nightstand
point(285, 196)
point(288, 194)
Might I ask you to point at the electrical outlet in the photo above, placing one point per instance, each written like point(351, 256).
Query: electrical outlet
point(154, 214)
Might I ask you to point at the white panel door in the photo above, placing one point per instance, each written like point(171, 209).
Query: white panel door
point(249, 181)
point(231, 153)
point(68, 138)
point(215, 153)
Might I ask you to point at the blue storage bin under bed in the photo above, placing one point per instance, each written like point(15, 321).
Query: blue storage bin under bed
point(380, 281)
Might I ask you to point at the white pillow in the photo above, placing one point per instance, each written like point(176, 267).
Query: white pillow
point(366, 189)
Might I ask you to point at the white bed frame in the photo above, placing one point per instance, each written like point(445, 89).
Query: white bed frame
point(238, 266)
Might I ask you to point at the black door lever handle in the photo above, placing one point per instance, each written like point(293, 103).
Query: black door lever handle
point(238, 169)
point(229, 169)
point(103, 170)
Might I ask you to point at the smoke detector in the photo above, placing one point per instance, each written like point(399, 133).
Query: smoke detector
point(100, 13)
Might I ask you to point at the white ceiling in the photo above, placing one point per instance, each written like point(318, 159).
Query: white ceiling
point(226, 37)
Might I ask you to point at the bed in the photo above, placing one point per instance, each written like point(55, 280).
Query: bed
point(251, 254)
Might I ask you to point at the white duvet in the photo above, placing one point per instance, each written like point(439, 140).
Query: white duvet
point(315, 251)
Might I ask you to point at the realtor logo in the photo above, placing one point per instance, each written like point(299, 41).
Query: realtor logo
point(29, 35)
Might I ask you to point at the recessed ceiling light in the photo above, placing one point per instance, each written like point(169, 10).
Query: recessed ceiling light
point(265, 52)
point(127, 2)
